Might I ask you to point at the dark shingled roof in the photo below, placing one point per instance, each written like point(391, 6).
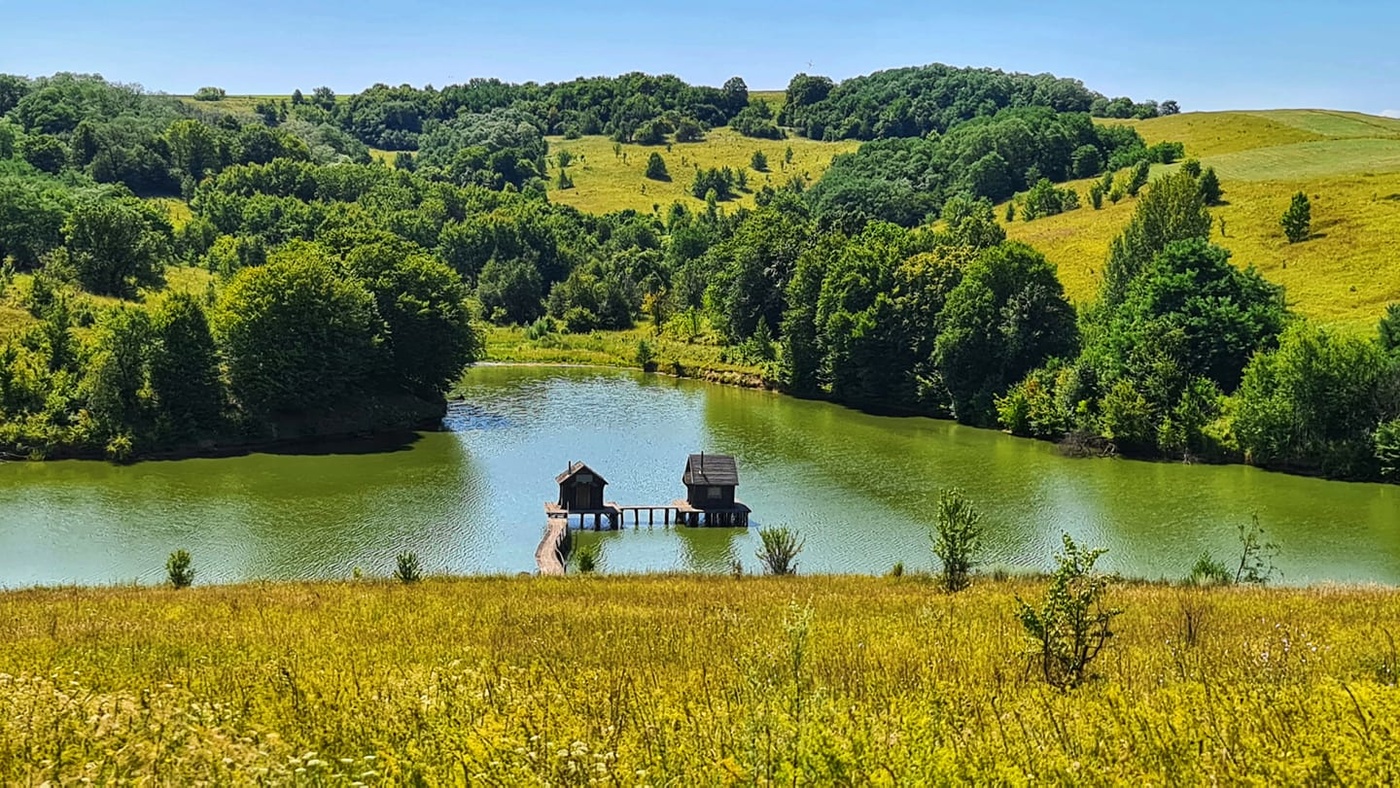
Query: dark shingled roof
point(575, 468)
point(717, 470)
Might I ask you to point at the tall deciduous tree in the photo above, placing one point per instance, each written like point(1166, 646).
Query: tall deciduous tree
point(1006, 317)
point(185, 368)
point(296, 334)
point(117, 244)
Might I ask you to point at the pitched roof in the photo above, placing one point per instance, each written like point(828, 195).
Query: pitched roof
point(575, 468)
point(718, 470)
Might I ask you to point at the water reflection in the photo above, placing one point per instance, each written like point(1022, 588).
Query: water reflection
point(861, 489)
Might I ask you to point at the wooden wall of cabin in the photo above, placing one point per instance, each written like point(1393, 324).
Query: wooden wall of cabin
point(569, 497)
point(698, 495)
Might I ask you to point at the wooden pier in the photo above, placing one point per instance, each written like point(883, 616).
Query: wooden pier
point(710, 481)
point(554, 547)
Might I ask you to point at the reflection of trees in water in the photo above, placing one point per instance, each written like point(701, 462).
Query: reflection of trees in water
point(709, 549)
point(324, 518)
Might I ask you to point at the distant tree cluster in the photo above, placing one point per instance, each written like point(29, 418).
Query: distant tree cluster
point(905, 180)
point(915, 101)
point(630, 108)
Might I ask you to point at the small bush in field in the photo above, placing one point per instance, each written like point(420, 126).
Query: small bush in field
point(179, 568)
point(408, 569)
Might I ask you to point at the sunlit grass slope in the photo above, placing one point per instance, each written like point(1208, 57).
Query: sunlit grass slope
point(1348, 164)
point(699, 357)
point(687, 681)
point(606, 182)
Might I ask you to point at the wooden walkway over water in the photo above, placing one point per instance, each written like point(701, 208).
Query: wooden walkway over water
point(553, 552)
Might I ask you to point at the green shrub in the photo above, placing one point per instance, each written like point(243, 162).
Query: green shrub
point(586, 558)
point(646, 357)
point(1256, 556)
point(179, 568)
point(1207, 571)
point(956, 538)
point(778, 550)
point(1297, 220)
point(408, 570)
point(897, 570)
point(656, 168)
point(1072, 624)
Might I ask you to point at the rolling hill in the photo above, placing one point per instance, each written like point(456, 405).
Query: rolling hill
point(604, 181)
point(1347, 163)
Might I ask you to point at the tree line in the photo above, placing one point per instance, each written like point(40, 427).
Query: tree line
point(921, 100)
point(339, 281)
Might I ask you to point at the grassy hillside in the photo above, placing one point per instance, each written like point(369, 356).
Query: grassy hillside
point(687, 680)
point(604, 181)
point(1348, 164)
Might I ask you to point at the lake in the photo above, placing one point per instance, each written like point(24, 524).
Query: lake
point(861, 490)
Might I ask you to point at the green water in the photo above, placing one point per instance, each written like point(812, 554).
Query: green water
point(469, 499)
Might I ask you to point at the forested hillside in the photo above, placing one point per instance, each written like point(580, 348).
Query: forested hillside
point(339, 290)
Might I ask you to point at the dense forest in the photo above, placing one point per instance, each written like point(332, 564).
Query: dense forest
point(923, 100)
point(344, 289)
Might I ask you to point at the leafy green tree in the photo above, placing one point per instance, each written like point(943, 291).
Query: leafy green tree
point(423, 304)
point(43, 152)
point(1218, 315)
point(1387, 443)
point(970, 222)
point(32, 214)
point(184, 368)
point(1297, 220)
point(1139, 177)
point(1005, 318)
point(1172, 210)
point(1072, 626)
point(758, 161)
point(209, 94)
point(801, 354)
point(867, 355)
point(1127, 418)
point(324, 98)
point(1388, 331)
point(656, 168)
point(752, 269)
point(1315, 402)
point(8, 135)
point(956, 538)
point(689, 131)
point(115, 374)
point(117, 244)
point(195, 148)
point(511, 291)
point(296, 334)
point(12, 89)
point(1211, 193)
point(1086, 161)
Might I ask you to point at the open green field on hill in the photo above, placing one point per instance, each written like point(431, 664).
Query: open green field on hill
point(604, 181)
point(1348, 164)
point(688, 680)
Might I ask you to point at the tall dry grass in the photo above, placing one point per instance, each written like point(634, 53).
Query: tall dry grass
point(687, 680)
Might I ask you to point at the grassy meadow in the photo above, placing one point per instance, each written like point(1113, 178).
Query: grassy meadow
point(604, 181)
point(701, 356)
point(1348, 164)
point(687, 680)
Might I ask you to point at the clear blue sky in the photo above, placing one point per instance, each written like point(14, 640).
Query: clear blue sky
point(1218, 54)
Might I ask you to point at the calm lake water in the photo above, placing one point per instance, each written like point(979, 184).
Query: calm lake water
point(860, 488)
